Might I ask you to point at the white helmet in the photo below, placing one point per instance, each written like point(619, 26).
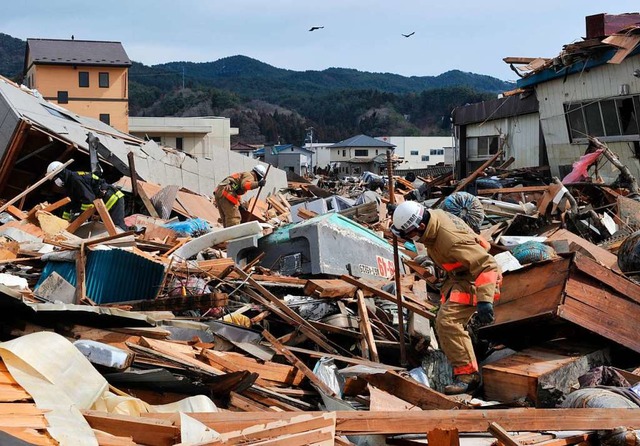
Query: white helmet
point(53, 166)
point(260, 170)
point(407, 217)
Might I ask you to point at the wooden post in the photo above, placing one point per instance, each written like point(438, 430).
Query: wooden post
point(80, 219)
point(440, 437)
point(81, 290)
point(255, 201)
point(104, 215)
point(132, 174)
point(365, 328)
point(396, 266)
point(502, 435)
point(44, 179)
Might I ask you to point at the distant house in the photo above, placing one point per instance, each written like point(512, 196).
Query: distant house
point(321, 153)
point(358, 154)
point(205, 137)
point(87, 77)
point(420, 152)
point(244, 149)
point(287, 157)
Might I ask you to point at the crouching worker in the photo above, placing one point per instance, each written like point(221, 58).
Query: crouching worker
point(228, 192)
point(472, 281)
point(85, 187)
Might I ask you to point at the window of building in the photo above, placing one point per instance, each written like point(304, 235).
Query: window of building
point(63, 97)
point(106, 118)
point(179, 143)
point(425, 157)
point(609, 119)
point(414, 153)
point(103, 80)
point(344, 153)
point(362, 152)
point(437, 151)
point(157, 139)
point(482, 146)
point(83, 79)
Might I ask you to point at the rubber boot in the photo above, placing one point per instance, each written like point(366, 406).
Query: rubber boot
point(463, 384)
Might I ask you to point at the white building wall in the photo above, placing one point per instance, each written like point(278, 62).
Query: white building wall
point(597, 83)
point(200, 136)
point(522, 137)
point(322, 154)
point(406, 146)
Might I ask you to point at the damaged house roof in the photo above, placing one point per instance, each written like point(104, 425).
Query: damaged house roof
point(362, 141)
point(610, 39)
point(34, 132)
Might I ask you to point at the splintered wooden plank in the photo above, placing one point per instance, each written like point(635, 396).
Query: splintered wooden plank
point(380, 400)
point(412, 391)
point(246, 404)
point(80, 219)
point(423, 309)
point(619, 283)
point(288, 314)
point(441, 437)
point(284, 351)
point(149, 431)
point(271, 371)
point(35, 437)
point(606, 314)
point(418, 422)
point(502, 435)
point(365, 328)
point(329, 288)
point(290, 432)
point(105, 217)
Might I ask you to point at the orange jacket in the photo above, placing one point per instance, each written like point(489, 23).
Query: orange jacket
point(472, 273)
point(235, 185)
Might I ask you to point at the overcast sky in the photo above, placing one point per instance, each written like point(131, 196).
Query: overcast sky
point(470, 35)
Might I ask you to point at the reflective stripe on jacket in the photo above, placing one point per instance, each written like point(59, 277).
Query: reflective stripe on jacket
point(472, 273)
point(235, 185)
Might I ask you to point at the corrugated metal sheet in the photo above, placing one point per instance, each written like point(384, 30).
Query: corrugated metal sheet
point(113, 275)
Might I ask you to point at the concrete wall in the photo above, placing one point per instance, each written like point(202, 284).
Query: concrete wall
point(596, 83)
point(200, 136)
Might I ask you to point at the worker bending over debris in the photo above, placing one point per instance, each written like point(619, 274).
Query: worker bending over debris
point(228, 192)
point(473, 278)
point(85, 187)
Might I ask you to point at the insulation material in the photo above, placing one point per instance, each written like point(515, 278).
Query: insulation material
point(466, 206)
point(62, 381)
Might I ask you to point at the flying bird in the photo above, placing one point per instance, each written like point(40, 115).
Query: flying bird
point(313, 28)
point(409, 35)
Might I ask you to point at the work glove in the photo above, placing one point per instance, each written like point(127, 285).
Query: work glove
point(485, 313)
point(425, 261)
point(391, 207)
point(262, 183)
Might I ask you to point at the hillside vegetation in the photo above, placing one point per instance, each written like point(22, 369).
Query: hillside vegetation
point(271, 105)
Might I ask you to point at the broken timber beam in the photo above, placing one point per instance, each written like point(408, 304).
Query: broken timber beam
point(410, 305)
point(365, 328)
point(104, 215)
point(419, 422)
point(291, 316)
point(294, 361)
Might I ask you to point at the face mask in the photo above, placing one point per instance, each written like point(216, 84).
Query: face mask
point(59, 182)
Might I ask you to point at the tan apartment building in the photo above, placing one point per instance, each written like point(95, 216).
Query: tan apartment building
point(89, 78)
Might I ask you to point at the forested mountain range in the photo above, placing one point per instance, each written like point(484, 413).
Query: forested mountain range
point(272, 105)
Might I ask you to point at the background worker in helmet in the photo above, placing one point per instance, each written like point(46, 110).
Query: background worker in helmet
point(228, 192)
point(83, 188)
point(472, 280)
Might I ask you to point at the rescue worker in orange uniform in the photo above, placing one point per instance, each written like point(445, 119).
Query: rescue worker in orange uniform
point(472, 282)
point(227, 194)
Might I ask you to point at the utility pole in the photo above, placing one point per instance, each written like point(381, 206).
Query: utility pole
point(309, 131)
point(183, 77)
